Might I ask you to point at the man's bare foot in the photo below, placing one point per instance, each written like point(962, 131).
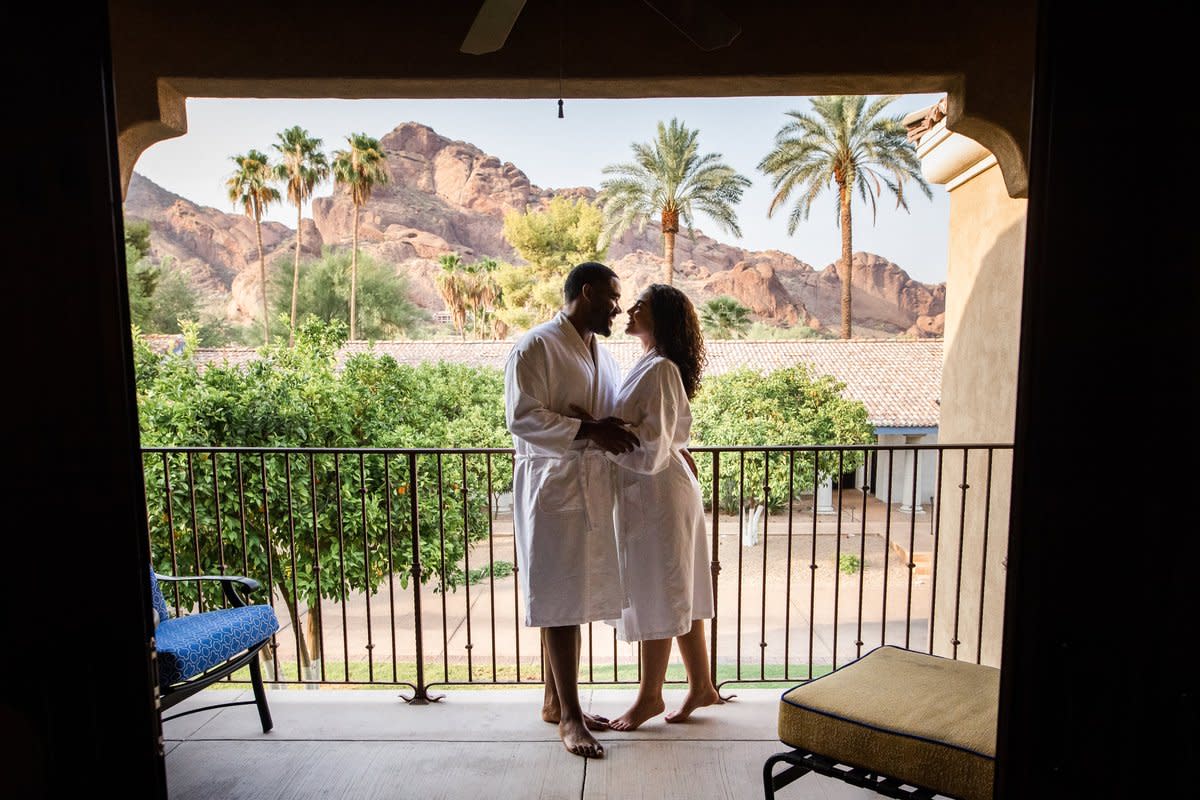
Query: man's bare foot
point(638, 713)
point(708, 697)
point(594, 722)
point(577, 740)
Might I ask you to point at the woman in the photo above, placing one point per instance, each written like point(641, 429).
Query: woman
point(660, 514)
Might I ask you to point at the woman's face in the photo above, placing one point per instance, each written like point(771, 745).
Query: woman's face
point(641, 321)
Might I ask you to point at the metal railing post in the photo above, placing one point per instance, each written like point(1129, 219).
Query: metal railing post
point(421, 694)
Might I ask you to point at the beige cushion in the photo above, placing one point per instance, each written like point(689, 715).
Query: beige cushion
point(923, 719)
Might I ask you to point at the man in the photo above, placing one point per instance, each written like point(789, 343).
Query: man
point(563, 485)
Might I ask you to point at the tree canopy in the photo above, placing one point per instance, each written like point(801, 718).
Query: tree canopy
point(161, 294)
point(790, 406)
point(277, 515)
point(551, 242)
point(384, 309)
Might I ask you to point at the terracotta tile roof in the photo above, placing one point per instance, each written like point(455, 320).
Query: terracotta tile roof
point(234, 356)
point(164, 342)
point(898, 380)
point(918, 123)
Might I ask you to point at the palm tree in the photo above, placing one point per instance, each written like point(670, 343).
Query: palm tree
point(360, 168)
point(452, 285)
point(303, 166)
point(481, 291)
point(846, 143)
point(725, 318)
point(250, 187)
point(669, 176)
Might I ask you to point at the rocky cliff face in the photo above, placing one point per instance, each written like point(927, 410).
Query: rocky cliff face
point(448, 196)
point(217, 249)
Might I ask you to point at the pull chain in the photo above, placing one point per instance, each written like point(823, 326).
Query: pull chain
point(562, 26)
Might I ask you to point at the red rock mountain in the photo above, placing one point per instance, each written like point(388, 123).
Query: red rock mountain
point(449, 196)
point(217, 249)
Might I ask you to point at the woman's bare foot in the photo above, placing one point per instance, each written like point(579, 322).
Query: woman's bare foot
point(594, 722)
point(694, 700)
point(578, 741)
point(638, 713)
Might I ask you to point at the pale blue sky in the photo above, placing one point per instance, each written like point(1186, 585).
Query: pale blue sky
point(558, 153)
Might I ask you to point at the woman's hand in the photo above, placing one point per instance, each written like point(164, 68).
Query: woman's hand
point(690, 462)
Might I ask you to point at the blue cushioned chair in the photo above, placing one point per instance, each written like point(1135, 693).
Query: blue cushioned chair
point(197, 650)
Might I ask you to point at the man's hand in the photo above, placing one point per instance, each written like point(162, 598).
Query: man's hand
point(608, 434)
point(579, 413)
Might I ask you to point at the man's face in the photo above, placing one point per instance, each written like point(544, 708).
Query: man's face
point(605, 303)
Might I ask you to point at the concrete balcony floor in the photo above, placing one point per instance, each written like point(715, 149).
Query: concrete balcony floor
point(473, 744)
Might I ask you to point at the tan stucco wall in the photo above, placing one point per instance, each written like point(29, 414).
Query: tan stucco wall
point(978, 402)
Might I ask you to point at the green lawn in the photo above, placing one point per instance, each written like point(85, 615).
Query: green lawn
point(602, 675)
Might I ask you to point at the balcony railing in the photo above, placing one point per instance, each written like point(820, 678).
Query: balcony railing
point(810, 571)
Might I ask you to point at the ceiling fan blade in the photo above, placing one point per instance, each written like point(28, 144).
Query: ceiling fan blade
point(699, 20)
point(491, 27)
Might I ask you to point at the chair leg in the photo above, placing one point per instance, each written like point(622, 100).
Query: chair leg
point(260, 695)
point(771, 782)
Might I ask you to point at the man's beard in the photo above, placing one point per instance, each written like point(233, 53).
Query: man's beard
point(602, 325)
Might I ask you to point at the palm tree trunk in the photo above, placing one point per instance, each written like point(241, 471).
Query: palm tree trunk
point(305, 659)
point(314, 642)
point(669, 255)
point(296, 273)
point(262, 274)
point(354, 281)
point(847, 265)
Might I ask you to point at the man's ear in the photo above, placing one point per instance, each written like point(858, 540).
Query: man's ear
point(585, 292)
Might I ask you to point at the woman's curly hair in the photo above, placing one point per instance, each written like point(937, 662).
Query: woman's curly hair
point(677, 334)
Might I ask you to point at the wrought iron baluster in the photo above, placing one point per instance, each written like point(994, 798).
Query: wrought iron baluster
point(987, 508)
point(937, 531)
point(787, 592)
point(362, 488)
point(962, 536)
point(837, 558)
point(887, 545)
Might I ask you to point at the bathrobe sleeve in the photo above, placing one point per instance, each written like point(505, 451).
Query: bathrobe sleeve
point(653, 413)
point(526, 397)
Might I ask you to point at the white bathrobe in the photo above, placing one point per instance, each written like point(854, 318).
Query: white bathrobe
point(660, 512)
point(563, 500)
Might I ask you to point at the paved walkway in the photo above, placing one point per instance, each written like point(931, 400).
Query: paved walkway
point(369, 745)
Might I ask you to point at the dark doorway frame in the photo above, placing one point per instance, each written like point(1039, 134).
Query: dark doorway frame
point(76, 485)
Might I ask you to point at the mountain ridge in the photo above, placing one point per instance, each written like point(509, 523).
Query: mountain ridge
point(450, 196)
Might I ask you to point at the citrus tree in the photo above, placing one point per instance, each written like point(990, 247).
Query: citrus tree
point(315, 526)
point(790, 406)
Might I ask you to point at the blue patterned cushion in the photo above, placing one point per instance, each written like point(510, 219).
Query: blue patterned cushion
point(156, 595)
point(189, 645)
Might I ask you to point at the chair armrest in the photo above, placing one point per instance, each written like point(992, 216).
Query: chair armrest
point(227, 584)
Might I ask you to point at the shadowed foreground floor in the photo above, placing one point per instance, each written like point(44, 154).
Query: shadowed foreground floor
point(472, 744)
